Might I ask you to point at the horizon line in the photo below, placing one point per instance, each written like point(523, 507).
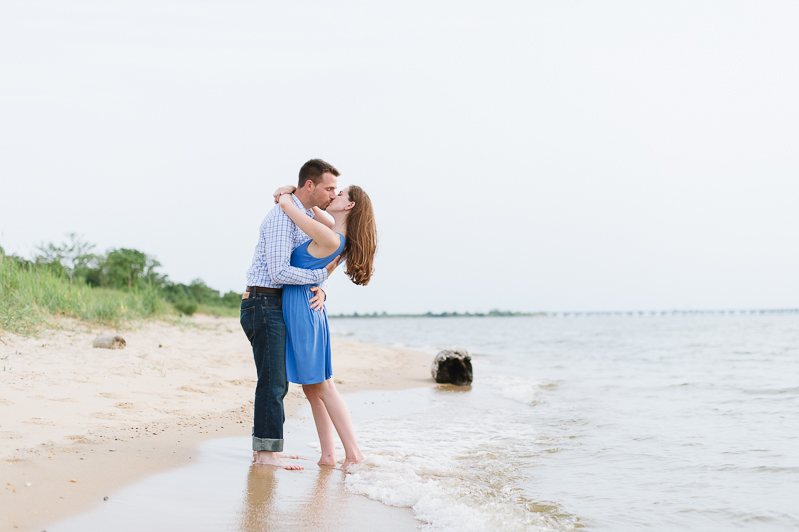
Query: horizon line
point(499, 313)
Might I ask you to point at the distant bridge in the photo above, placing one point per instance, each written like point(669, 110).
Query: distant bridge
point(674, 312)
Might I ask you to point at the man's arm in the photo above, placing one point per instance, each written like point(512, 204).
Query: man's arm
point(279, 233)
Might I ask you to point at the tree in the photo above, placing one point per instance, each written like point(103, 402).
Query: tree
point(232, 299)
point(70, 258)
point(129, 268)
point(202, 293)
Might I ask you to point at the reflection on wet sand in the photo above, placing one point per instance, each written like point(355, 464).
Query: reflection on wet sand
point(453, 388)
point(318, 509)
point(276, 500)
point(324, 504)
point(223, 491)
point(259, 510)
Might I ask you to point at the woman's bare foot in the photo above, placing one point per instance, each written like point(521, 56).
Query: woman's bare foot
point(349, 462)
point(327, 461)
point(274, 459)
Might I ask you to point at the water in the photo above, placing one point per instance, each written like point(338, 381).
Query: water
point(596, 423)
point(603, 423)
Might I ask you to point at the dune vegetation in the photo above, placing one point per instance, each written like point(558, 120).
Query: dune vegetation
point(111, 288)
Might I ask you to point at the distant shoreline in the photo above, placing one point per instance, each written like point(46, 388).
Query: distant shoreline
point(632, 313)
point(491, 314)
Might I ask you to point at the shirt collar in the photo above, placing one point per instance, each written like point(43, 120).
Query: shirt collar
point(299, 204)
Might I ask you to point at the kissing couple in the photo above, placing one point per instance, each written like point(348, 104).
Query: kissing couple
point(283, 314)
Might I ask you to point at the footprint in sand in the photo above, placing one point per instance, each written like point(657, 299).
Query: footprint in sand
point(8, 435)
point(39, 421)
point(190, 388)
point(109, 395)
point(104, 415)
point(80, 438)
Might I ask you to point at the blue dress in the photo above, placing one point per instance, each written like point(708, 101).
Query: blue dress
point(308, 338)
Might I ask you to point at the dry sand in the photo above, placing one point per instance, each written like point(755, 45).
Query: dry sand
point(78, 422)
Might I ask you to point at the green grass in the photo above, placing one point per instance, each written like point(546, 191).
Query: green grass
point(31, 297)
point(224, 312)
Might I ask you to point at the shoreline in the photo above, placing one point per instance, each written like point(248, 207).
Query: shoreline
point(108, 418)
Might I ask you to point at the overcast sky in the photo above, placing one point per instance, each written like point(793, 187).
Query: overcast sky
point(520, 155)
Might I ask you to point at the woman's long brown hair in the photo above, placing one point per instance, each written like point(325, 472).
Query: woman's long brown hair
point(361, 241)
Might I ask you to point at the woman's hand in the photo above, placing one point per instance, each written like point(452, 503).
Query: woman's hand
point(288, 189)
point(284, 200)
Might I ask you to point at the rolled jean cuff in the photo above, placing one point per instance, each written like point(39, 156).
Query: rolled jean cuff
point(265, 444)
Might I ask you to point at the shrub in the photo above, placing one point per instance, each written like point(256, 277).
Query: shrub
point(186, 307)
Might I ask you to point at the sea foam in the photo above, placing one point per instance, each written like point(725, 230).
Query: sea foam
point(458, 469)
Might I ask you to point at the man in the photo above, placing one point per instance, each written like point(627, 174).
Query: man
point(261, 305)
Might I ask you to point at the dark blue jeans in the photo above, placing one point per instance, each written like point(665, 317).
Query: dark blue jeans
point(262, 321)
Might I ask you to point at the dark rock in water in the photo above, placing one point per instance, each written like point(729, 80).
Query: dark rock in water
point(453, 366)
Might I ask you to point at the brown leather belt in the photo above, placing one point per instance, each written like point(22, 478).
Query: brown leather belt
point(264, 290)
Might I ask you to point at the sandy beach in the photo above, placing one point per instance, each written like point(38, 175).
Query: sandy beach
point(77, 423)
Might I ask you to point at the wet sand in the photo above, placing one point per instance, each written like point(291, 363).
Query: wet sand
point(223, 491)
point(78, 423)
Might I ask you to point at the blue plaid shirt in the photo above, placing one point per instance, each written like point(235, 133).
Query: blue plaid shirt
point(279, 236)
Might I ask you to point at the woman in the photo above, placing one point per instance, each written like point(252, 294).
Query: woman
point(351, 234)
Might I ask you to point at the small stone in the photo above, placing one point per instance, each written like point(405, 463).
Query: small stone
point(105, 498)
point(109, 341)
point(29, 484)
point(112, 450)
point(73, 480)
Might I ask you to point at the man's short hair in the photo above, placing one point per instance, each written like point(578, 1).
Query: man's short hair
point(313, 170)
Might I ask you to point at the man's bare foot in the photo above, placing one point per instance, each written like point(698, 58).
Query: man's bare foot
point(274, 459)
point(279, 455)
point(349, 462)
